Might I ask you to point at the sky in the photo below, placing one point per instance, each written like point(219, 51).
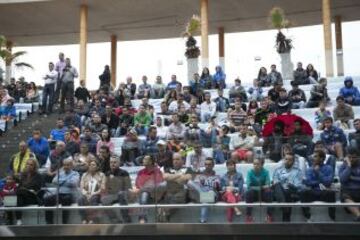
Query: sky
point(166, 56)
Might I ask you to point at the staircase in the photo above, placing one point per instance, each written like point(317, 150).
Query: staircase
point(9, 141)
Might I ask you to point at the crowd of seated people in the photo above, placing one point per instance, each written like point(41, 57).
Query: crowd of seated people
point(80, 157)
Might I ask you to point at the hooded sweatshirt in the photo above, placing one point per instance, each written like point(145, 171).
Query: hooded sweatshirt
point(350, 91)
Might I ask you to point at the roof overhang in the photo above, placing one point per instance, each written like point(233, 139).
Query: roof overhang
point(52, 22)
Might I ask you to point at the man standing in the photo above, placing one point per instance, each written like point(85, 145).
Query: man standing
point(67, 89)
point(59, 67)
point(49, 88)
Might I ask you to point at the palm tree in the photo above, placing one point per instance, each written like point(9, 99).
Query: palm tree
point(10, 58)
point(278, 20)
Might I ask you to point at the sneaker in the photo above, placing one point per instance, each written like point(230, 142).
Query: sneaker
point(237, 211)
point(18, 222)
point(249, 219)
point(269, 219)
point(309, 220)
point(202, 221)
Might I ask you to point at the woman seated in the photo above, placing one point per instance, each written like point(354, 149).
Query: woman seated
point(105, 140)
point(149, 185)
point(232, 186)
point(30, 184)
point(92, 185)
point(32, 94)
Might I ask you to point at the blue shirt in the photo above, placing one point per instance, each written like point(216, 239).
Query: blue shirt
point(286, 177)
point(58, 134)
point(40, 147)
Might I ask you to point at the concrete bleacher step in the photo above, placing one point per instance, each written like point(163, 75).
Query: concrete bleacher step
point(11, 138)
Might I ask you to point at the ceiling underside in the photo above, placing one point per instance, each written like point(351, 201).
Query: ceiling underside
point(57, 21)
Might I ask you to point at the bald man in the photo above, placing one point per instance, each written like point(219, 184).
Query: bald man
point(55, 160)
point(68, 182)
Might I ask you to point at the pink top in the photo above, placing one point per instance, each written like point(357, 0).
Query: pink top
point(101, 143)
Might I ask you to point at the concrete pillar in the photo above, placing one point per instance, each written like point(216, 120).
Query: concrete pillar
point(326, 16)
point(83, 40)
point(339, 47)
point(204, 9)
point(222, 47)
point(113, 60)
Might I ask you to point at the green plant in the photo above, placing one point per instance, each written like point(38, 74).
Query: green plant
point(192, 27)
point(278, 21)
point(11, 58)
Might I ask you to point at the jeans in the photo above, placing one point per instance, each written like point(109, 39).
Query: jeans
point(48, 92)
point(122, 199)
point(142, 130)
point(67, 92)
point(65, 200)
point(310, 195)
point(58, 90)
point(263, 195)
point(285, 195)
point(94, 200)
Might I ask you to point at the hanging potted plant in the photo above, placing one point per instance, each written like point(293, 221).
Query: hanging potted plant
point(192, 51)
point(283, 45)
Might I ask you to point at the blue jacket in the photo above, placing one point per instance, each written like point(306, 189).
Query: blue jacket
point(219, 76)
point(8, 111)
point(39, 148)
point(324, 176)
point(350, 91)
point(237, 181)
point(349, 177)
point(333, 135)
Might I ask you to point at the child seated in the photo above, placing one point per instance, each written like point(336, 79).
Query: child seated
point(9, 189)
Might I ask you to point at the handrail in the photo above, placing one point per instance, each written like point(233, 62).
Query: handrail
point(187, 205)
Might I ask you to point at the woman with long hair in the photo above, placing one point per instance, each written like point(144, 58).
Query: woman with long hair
point(92, 185)
point(263, 78)
point(32, 93)
point(105, 140)
point(30, 184)
point(206, 79)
